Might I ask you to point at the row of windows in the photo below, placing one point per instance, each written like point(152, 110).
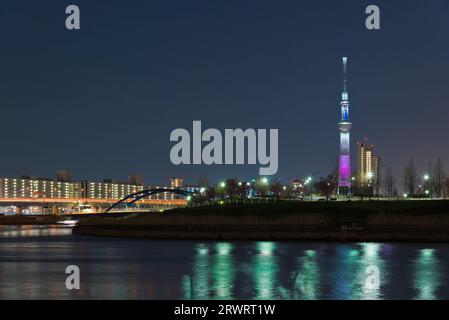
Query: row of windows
point(25, 188)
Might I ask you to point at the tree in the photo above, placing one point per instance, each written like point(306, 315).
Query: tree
point(326, 186)
point(361, 190)
point(243, 190)
point(211, 193)
point(220, 191)
point(410, 179)
point(276, 188)
point(447, 186)
point(288, 192)
point(438, 179)
point(261, 187)
point(232, 188)
point(389, 183)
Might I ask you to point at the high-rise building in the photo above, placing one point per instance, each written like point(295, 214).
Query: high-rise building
point(376, 173)
point(344, 126)
point(369, 165)
point(176, 183)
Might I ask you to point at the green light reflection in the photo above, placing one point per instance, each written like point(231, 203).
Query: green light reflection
point(200, 280)
point(426, 275)
point(223, 271)
point(351, 272)
point(265, 271)
point(307, 277)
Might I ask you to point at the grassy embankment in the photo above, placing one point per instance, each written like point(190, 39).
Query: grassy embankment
point(367, 220)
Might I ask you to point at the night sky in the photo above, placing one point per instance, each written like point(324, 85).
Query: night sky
point(103, 100)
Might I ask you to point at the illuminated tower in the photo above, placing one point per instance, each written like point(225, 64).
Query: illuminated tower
point(344, 174)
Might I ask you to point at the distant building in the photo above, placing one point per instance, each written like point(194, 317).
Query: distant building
point(119, 190)
point(136, 179)
point(369, 164)
point(297, 187)
point(108, 189)
point(39, 188)
point(64, 176)
point(191, 188)
point(203, 183)
point(376, 173)
point(32, 187)
point(176, 183)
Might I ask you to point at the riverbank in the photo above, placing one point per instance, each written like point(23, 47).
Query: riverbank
point(47, 219)
point(285, 220)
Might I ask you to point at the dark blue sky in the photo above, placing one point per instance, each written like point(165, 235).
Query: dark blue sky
point(102, 101)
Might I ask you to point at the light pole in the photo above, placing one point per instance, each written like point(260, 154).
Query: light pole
point(310, 180)
point(426, 184)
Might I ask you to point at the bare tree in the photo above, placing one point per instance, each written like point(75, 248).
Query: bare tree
point(446, 186)
point(389, 183)
point(232, 188)
point(326, 186)
point(410, 179)
point(261, 187)
point(438, 179)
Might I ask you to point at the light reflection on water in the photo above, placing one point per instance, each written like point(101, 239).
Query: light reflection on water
point(427, 274)
point(33, 261)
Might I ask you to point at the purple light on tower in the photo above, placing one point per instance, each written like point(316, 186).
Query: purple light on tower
point(344, 174)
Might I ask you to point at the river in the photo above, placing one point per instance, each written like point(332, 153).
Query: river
point(33, 260)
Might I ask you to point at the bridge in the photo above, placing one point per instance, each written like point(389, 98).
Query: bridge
point(98, 205)
point(139, 196)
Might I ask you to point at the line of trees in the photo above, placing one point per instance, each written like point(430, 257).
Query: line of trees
point(434, 183)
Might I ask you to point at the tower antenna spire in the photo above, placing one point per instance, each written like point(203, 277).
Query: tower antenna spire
point(345, 75)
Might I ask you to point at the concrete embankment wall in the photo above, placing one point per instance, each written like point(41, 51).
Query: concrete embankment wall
point(179, 233)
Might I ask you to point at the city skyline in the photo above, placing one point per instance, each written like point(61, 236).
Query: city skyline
point(109, 117)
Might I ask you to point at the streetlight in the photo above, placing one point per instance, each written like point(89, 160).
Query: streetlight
point(309, 180)
point(222, 184)
point(426, 183)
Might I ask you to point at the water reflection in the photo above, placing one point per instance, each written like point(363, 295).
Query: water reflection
point(265, 269)
point(223, 271)
point(200, 280)
point(27, 231)
point(372, 272)
point(427, 275)
point(307, 278)
point(359, 272)
point(33, 261)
